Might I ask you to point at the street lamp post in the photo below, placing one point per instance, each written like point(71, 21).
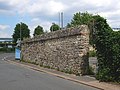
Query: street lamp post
point(20, 31)
point(20, 41)
point(52, 26)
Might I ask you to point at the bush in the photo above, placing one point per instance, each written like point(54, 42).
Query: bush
point(107, 43)
point(90, 71)
point(92, 53)
point(7, 50)
point(104, 75)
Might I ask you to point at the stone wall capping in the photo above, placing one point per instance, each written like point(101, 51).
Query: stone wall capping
point(58, 34)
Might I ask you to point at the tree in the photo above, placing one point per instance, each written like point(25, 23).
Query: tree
point(68, 25)
point(81, 18)
point(54, 27)
point(38, 30)
point(23, 28)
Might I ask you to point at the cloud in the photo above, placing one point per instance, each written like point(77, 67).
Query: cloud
point(5, 6)
point(36, 21)
point(47, 10)
point(4, 27)
point(45, 7)
point(4, 31)
point(55, 6)
point(12, 6)
point(44, 12)
point(4, 35)
point(52, 7)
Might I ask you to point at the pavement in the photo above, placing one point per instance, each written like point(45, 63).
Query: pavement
point(86, 80)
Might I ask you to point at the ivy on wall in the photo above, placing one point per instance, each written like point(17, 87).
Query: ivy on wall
point(107, 43)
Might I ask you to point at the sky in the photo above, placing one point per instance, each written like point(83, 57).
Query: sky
point(46, 12)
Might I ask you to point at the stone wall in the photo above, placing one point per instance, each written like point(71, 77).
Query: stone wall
point(64, 50)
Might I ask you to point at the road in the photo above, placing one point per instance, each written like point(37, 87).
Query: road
point(13, 77)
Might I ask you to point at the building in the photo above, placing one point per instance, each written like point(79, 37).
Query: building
point(116, 29)
point(6, 42)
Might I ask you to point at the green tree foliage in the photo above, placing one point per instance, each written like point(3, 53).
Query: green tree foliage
point(25, 32)
point(38, 30)
point(80, 18)
point(54, 27)
point(106, 42)
point(69, 25)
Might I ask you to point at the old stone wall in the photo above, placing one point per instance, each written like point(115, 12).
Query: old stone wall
point(64, 50)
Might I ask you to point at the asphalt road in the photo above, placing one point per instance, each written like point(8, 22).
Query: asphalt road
point(14, 77)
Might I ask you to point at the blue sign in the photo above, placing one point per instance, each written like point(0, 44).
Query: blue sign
point(17, 53)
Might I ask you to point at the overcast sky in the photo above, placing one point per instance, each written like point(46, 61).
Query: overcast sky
point(45, 12)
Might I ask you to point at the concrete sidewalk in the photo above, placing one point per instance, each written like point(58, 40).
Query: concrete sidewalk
point(86, 80)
